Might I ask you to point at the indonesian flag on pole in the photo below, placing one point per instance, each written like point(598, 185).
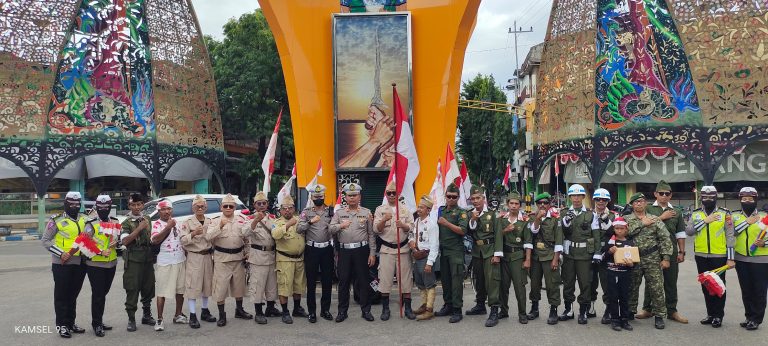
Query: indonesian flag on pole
point(464, 187)
point(406, 167)
point(437, 193)
point(286, 190)
point(311, 185)
point(268, 164)
point(557, 165)
point(339, 202)
point(451, 173)
point(507, 173)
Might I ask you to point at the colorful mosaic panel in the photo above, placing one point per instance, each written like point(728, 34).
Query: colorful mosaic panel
point(103, 82)
point(727, 45)
point(31, 34)
point(185, 93)
point(642, 76)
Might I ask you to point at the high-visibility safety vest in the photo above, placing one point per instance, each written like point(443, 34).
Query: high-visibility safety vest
point(710, 238)
point(67, 231)
point(746, 234)
point(103, 242)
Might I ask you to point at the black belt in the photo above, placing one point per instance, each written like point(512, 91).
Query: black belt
point(289, 255)
point(262, 248)
point(510, 248)
point(229, 251)
point(485, 241)
point(204, 252)
point(649, 251)
point(393, 245)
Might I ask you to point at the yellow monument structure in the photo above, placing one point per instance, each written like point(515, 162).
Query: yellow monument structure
point(303, 30)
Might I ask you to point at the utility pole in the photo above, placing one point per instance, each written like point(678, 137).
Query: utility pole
point(515, 30)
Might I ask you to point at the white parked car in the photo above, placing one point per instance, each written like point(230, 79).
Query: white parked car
point(182, 206)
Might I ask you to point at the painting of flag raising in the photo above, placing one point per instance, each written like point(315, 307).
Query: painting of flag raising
point(370, 53)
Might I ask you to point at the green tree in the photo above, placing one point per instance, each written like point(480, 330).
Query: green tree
point(251, 92)
point(486, 140)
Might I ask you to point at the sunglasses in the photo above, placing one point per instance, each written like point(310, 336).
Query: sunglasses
point(391, 193)
point(452, 196)
point(665, 193)
point(261, 203)
point(542, 203)
point(228, 206)
point(601, 200)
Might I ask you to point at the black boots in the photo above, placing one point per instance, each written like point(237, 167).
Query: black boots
point(147, 318)
point(583, 308)
point(478, 309)
point(493, 317)
point(206, 316)
point(534, 314)
point(272, 311)
point(606, 317)
point(659, 323)
point(240, 312)
point(193, 322)
point(259, 316)
point(408, 310)
point(385, 308)
point(456, 316)
point(567, 313)
point(552, 315)
point(222, 316)
point(131, 324)
point(444, 311)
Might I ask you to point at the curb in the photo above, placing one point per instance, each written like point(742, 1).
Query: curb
point(20, 237)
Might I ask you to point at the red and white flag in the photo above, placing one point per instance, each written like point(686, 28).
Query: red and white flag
point(451, 173)
point(268, 164)
point(437, 193)
point(406, 167)
point(557, 165)
point(507, 174)
point(311, 186)
point(286, 190)
point(339, 202)
point(465, 187)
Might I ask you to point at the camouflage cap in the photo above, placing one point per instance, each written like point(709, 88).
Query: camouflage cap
point(543, 195)
point(663, 186)
point(476, 189)
point(452, 188)
point(636, 196)
point(513, 195)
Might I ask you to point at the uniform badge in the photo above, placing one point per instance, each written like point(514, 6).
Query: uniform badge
point(518, 239)
point(65, 223)
point(540, 246)
point(488, 217)
point(463, 216)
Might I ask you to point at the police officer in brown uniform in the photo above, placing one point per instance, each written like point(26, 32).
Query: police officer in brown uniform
point(262, 283)
point(386, 227)
point(318, 255)
point(199, 265)
point(228, 270)
point(353, 226)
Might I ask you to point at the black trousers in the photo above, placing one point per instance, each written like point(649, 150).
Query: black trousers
point(353, 263)
point(618, 286)
point(753, 279)
point(598, 279)
point(101, 282)
point(67, 283)
point(715, 304)
point(319, 260)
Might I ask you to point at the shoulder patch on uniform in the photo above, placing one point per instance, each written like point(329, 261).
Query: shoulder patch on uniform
point(463, 215)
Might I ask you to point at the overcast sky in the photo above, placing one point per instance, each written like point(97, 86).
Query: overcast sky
point(491, 50)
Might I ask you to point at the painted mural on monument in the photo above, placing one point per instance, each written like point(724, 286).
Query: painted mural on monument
point(642, 77)
point(103, 81)
point(358, 6)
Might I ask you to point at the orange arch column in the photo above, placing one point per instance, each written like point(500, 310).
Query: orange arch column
point(303, 32)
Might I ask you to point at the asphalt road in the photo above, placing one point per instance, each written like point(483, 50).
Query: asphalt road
point(26, 300)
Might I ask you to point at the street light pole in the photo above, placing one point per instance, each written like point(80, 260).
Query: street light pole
point(517, 31)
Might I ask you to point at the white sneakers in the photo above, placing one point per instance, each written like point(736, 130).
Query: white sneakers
point(180, 319)
point(159, 326)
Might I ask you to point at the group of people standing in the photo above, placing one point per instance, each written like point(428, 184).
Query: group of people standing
point(276, 257)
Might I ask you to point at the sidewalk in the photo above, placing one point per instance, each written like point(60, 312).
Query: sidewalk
point(23, 227)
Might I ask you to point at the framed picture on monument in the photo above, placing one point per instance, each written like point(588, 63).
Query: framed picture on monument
point(371, 52)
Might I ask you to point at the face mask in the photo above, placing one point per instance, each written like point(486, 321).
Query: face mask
point(103, 214)
point(748, 207)
point(709, 203)
point(71, 209)
point(318, 202)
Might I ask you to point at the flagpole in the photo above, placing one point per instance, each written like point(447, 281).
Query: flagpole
point(397, 207)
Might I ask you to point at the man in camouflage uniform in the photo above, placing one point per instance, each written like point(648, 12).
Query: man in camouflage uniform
point(672, 216)
point(548, 244)
point(581, 241)
point(452, 225)
point(652, 239)
point(517, 256)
